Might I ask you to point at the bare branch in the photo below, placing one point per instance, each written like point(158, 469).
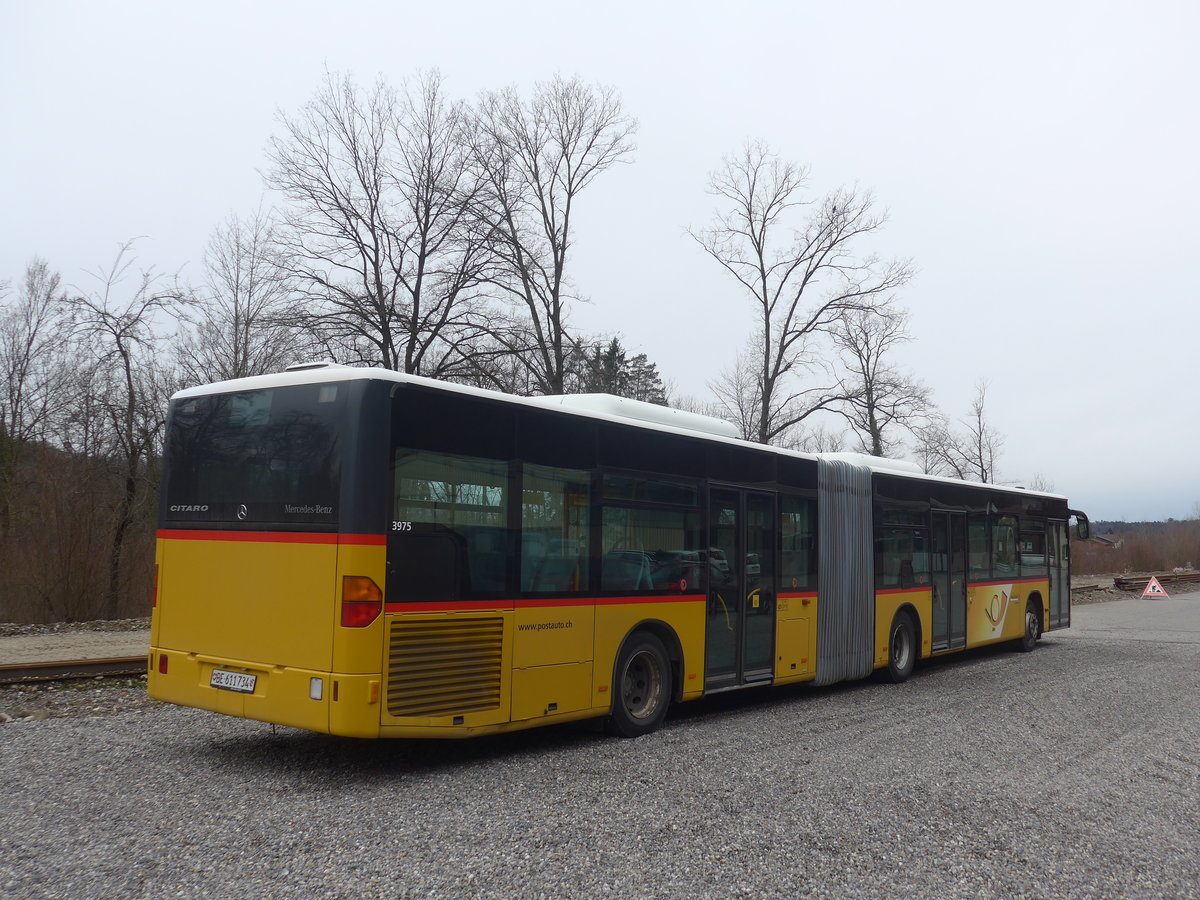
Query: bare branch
point(377, 231)
point(801, 283)
point(533, 158)
point(879, 397)
point(243, 320)
point(970, 454)
point(115, 322)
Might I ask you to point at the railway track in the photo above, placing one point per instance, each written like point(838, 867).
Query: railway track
point(1139, 582)
point(63, 669)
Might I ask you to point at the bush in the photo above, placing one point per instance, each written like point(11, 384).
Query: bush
point(57, 538)
point(1145, 547)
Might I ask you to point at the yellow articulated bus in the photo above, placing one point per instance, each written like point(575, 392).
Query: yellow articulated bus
point(365, 553)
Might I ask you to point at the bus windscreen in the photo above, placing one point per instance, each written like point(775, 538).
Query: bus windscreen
point(259, 458)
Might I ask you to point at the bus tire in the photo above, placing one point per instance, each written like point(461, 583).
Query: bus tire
point(641, 686)
point(1033, 629)
point(902, 648)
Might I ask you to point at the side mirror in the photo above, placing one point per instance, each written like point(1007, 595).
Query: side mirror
point(1083, 528)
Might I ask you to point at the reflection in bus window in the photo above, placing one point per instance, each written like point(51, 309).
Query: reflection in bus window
point(651, 490)
point(554, 530)
point(268, 456)
point(798, 534)
point(651, 549)
point(460, 497)
point(979, 554)
point(901, 557)
point(1004, 547)
point(1032, 548)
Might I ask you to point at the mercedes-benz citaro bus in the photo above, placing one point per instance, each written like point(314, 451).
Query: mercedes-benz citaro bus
point(366, 553)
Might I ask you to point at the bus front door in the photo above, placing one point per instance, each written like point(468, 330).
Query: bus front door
point(1060, 574)
point(740, 633)
point(948, 574)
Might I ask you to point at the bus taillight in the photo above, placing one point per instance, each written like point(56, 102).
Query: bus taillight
point(362, 601)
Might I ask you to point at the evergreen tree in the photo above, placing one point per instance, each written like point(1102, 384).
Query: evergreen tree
point(607, 368)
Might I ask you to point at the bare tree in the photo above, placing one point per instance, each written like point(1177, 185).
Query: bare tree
point(115, 322)
point(930, 443)
point(1040, 482)
point(32, 371)
point(817, 439)
point(493, 364)
point(376, 229)
point(983, 442)
point(534, 158)
point(689, 403)
point(243, 318)
point(970, 453)
point(879, 396)
point(738, 391)
point(801, 282)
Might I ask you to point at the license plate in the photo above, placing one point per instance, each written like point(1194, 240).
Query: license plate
point(233, 681)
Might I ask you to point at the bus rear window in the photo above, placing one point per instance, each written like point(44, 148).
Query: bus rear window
point(268, 457)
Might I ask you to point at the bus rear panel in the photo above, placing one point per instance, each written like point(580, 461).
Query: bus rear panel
point(267, 606)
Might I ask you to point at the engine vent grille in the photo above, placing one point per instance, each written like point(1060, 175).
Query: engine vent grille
point(443, 667)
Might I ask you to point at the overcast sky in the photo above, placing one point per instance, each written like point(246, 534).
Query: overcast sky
point(1039, 162)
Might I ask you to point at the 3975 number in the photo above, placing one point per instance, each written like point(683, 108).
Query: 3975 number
point(402, 526)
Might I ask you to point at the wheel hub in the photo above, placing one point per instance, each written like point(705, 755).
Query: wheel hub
point(642, 686)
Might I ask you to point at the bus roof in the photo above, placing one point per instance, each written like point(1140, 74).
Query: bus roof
point(606, 407)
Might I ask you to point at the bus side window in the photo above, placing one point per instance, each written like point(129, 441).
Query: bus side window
point(435, 495)
point(555, 512)
point(626, 570)
point(648, 548)
point(797, 531)
point(1033, 548)
point(426, 566)
point(1004, 547)
point(486, 557)
point(559, 575)
point(979, 549)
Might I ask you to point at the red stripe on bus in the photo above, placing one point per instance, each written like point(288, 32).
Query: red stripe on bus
point(274, 537)
point(621, 601)
point(1042, 579)
point(539, 603)
point(973, 584)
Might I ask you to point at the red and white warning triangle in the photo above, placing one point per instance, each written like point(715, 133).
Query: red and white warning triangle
point(1154, 589)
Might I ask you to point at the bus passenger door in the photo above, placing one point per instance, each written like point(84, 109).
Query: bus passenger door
point(740, 556)
point(948, 573)
point(758, 658)
point(1060, 574)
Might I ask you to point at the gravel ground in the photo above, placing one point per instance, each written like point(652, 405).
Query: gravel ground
point(1073, 771)
point(82, 697)
point(9, 629)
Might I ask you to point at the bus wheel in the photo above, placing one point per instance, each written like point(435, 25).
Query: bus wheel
point(902, 648)
point(1033, 629)
point(641, 686)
